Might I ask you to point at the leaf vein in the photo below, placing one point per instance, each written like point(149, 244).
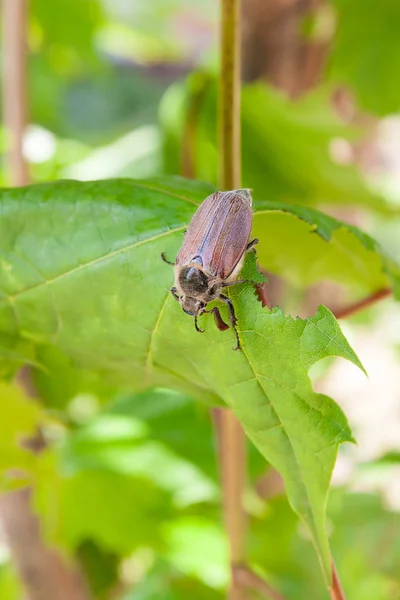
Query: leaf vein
point(166, 192)
point(92, 262)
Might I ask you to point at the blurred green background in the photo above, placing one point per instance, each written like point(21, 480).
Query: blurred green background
point(128, 492)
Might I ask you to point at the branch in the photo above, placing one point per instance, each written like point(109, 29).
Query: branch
point(247, 579)
point(42, 571)
point(44, 574)
point(14, 88)
point(229, 96)
point(232, 442)
point(347, 311)
point(336, 591)
point(232, 459)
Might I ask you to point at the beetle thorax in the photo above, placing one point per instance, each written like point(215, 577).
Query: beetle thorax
point(195, 285)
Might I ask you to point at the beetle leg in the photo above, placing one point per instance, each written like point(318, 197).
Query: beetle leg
point(220, 323)
point(232, 317)
point(164, 258)
point(174, 292)
point(230, 283)
point(196, 326)
point(251, 244)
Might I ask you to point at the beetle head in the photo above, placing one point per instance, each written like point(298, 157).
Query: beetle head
point(191, 306)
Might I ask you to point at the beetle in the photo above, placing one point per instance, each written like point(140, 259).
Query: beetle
point(212, 255)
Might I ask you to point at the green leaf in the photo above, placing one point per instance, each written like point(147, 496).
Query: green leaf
point(76, 383)
point(166, 582)
point(101, 569)
point(128, 510)
point(67, 29)
point(176, 421)
point(198, 547)
point(366, 52)
point(81, 270)
point(297, 430)
point(389, 458)
point(184, 426)
point(272, 164)
point(359, 523)
point(362, 522)
point(287, 152)
point(116, 443)
point(352, 257)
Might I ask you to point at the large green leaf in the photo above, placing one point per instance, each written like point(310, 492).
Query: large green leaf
point(286, 144)
point(116, 443)
point(81, 270)
point(128, 510)
point(183, 426)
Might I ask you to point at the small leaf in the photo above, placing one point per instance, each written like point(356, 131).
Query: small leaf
point(295, 248)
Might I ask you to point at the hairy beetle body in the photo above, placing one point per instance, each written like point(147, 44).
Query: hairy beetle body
point(212, 254)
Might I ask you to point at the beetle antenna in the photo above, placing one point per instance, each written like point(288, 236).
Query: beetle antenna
point(174, 292)
point(164, 258)
point(251, 244)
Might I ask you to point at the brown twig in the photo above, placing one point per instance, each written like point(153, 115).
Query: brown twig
point(232, 443)
point(42, 571)
point(245, 578)
point(270, 484)
point(347, 311)
point(232, 460)
point(229, 96)
point(336, 590)
point(14, 88)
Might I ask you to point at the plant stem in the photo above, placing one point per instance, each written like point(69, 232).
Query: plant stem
point(336, 591)
point(232, 459)
point(229, 96)
point(232, 443)
point(249, 580)
point(14, 88)
point(348, 311)
point(42, 571)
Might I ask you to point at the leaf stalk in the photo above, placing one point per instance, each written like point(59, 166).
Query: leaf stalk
point(336, 590)
point(348, 311)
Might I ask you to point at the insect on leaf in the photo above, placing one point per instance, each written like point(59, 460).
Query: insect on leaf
point(80, 269)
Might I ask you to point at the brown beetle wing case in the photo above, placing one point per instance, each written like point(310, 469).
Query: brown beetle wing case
point(219, 233)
